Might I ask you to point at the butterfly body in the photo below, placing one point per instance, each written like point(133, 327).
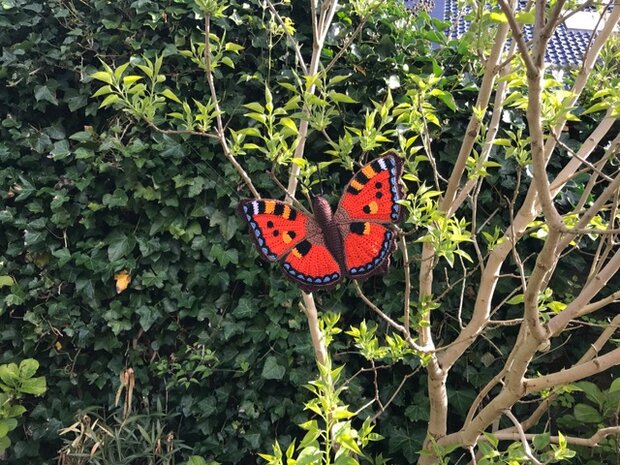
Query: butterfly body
point(317, 251)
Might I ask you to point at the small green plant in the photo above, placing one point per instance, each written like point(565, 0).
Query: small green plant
point(15, 381)
point(331, 437)
point(122, 437)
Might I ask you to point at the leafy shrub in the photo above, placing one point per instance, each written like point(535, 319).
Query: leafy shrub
point(15, 381)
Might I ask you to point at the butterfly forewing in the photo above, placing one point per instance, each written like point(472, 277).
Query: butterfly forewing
point(276, 227)
point(374, 192)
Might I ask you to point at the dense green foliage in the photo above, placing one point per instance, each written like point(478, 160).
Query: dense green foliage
point(87, 197)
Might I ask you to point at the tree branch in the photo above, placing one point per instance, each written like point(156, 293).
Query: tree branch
point(592, 441)
point(575, 308)
point(290, 38)
point(574, 373)
point(218, 113)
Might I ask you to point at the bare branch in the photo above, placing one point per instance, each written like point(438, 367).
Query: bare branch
point(309, 308)
point(407, 293)
point(592, 441)
point(291, 39)
point(473, 127)
point(524, 441)
point(517, 33)
point(398, 327)
point(575, 373)
point(218, 113)
point(575, 308)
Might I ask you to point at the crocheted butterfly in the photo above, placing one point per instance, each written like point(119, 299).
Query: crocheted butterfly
point(356, 241)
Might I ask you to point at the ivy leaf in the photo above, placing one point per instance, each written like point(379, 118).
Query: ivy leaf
point(272, 370)
point(117, 199)
point(120, 245)
point(45, 94)
point(244, 309)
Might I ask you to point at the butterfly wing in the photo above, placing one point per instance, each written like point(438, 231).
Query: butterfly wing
point(282, 233)
point(275, 226)
point(367, 248)
point(366, 213)
point(311, 265)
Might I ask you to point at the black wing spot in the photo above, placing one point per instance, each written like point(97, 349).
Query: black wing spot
point(378, 184)
point(357, 228)
point(303, 248)
point(376, 166)
point(270, 224)
point(361, 178)
point(379, 195)
point(278, 209)
point(292, 234)
point(275, 233)
point(366, 209)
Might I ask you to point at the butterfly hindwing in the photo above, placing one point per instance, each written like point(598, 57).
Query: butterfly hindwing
point(311, 265)
point(367, 247)
point(275, 226)
point(374, 192)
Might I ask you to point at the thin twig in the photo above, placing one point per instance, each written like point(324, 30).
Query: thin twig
point(526, 445)
point(290, 38)
point(218, 113)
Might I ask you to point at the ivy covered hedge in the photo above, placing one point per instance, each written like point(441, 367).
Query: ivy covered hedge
point(125, 247)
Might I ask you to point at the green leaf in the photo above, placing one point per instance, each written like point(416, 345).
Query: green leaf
point(128, 80)
point(340, 98)
point(516, 300)
point(104, 90)
point(272, 370)
point(5, 442)
point(587, 414)
point(196, 460)
point(117, 199)
point(102, 76)
point(245, 309)
point(525, 17)
point(27, 368)
point(63, 256)
point(596, 107)
point(34, 386)
point(4, 428)
point(120, 245)
point(43, 93)
point(6, 281)
point(289, 124)
point(109, 100)
point(540, 441)
point(592, 392)
point(255, 107)
point(498, 17)
point(171, 95)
